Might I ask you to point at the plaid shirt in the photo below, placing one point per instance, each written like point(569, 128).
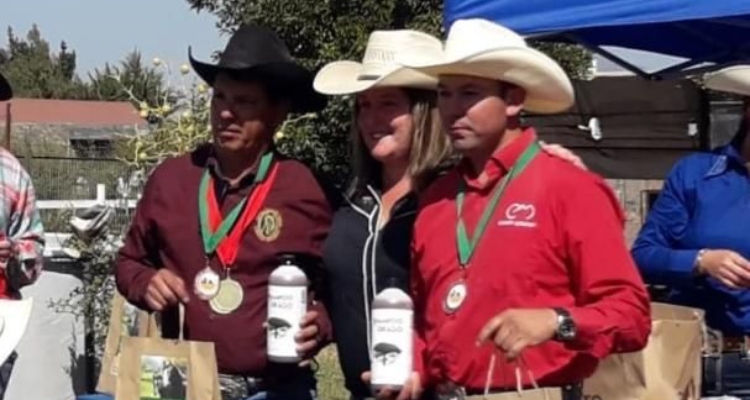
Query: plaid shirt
point(19, 220)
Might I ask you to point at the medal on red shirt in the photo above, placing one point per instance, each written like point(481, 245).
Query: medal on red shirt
point(455, 297)
point(222, 236)
point(457, 292)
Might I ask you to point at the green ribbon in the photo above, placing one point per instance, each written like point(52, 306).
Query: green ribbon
point(211, 240)
point(466, 247)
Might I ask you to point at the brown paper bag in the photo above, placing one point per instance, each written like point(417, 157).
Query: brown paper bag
point(669, 368)
point(524, 394)
point(124, 320)
point(152, 368)
point(521, 393)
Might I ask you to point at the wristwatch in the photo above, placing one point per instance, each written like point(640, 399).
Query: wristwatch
point(566, 327)
point(697, 270)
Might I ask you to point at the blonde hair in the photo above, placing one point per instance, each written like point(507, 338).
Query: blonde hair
point(429, 153)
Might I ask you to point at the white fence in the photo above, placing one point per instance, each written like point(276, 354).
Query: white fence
point(53, 349)
point(55, 240)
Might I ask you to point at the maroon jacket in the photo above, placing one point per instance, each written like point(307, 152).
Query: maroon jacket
point(165, 233)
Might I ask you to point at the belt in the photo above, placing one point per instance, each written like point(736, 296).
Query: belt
point(240, 387)
point(735, 344)
point(717, 343)
point(451, 391)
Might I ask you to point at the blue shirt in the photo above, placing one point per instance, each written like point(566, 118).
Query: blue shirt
point(705, 203)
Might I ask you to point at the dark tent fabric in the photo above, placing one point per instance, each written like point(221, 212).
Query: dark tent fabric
point(646, 126)
point(713, 31)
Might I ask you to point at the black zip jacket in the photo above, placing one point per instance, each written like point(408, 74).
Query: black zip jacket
point(360, 260)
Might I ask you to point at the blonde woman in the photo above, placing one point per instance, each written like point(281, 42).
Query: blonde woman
point(398, 149)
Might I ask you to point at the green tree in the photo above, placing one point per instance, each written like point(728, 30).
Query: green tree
point(322, 31)
point(36, 72)
point(131, 79)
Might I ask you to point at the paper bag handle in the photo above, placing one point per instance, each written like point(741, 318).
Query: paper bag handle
point(520, 365)
point(154, 330)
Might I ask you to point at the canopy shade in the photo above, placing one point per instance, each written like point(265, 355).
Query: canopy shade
point(702, 31)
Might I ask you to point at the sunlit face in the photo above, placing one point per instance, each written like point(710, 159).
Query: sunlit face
point(242, 115)
point(386, 124)
point(475, 111)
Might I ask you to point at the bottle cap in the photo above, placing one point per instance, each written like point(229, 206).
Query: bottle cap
point(287, 259)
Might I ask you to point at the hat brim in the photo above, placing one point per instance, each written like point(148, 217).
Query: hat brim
point(548, 88)
point(348, 77)
point(294, 80)
point(6, 92)
point(14, 318)
point(735, 80)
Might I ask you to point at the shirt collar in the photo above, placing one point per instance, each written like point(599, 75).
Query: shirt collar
point(501, 161)
point(212, 164)
point(726, 155)
point(369, 196)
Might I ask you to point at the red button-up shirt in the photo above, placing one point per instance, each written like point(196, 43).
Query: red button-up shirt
point(555, 240)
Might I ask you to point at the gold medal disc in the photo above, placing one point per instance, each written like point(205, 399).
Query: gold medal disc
point(229, 298)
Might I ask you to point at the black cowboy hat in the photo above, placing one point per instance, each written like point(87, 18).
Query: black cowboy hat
point(5, 90)
point(258, 52)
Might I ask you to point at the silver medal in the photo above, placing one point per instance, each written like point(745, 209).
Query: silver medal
point(206, 284)
point(455, 297)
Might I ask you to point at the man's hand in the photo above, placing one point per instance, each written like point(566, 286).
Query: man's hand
point(412, 389)
point(726, 266)
point(516, 329)
point(562, 153)
point(165, 289)
point(308, 337)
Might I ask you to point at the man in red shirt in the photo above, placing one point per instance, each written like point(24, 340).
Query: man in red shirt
point(521, 271)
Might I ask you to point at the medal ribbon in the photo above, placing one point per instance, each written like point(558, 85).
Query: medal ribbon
point(215, 232)
point(466, 247)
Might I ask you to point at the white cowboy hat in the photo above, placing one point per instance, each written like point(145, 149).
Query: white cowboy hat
point(477, 47)
point(734, 79)
point(14, 317)
point(381, 65)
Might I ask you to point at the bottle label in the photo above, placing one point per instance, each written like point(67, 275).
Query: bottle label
point(286, 307)
point(392, 342)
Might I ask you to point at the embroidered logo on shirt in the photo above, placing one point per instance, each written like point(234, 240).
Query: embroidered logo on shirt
point(519, 214)
point(268, 225)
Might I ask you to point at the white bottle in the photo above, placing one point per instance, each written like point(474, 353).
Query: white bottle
point(287, 305)
point(392, 338)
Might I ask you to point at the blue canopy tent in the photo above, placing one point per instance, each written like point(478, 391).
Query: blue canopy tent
point(708, 33)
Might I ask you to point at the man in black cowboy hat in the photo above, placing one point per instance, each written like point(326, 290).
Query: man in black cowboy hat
point(177, 252)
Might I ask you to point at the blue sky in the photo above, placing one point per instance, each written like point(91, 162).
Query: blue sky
point(106, 30)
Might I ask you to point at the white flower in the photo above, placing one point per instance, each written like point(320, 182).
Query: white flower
point(156, 61)
point(184, 69)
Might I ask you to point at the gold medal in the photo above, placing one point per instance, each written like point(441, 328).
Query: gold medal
point(455, 297)
point(206, 284)
point(229, 297)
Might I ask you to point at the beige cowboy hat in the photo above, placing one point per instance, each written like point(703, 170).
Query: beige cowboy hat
point(477, 47)
point(14, 317)
point(734, 79)
point(381, 65)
